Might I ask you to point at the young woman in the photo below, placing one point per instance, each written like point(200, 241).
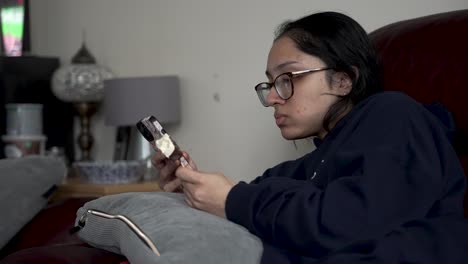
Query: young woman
point(383, 185)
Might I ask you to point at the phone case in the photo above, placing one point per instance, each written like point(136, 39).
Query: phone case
point(154, 133)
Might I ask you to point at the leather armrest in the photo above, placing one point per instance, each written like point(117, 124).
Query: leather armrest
point(63, 254)
point(49, 227)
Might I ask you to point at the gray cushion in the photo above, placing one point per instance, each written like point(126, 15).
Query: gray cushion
point(180, 233)
point(24, 185)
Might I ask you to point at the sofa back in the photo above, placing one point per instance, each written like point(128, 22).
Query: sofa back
point(427, 58)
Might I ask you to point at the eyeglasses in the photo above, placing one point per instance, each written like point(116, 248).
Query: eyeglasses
point(283, 84)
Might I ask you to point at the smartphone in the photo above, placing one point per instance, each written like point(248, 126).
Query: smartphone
point(160, 140)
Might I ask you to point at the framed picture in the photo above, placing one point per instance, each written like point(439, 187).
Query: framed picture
point(14, 21)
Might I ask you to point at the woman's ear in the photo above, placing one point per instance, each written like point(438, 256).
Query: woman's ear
point(341, 83)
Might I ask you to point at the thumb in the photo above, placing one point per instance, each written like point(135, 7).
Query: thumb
point(188, 175)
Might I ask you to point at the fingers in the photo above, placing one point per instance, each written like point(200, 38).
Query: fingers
point(189, 202)
point(166, 169)
point(173, 186)
point(159, 160)
point(189, 199)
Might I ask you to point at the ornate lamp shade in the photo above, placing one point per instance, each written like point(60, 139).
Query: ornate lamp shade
point(81, 81)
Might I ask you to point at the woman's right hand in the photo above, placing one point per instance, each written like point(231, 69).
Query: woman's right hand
point(167, 180)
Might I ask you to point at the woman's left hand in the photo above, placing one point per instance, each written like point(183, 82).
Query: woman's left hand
point(205, 191)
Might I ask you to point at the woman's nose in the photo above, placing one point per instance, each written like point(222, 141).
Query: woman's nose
point(273, 97)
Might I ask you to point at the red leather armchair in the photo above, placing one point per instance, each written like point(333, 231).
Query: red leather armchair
point(427, 58)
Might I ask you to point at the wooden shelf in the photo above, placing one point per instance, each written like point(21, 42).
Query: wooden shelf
point(74, 188)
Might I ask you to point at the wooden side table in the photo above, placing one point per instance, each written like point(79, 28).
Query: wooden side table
point(74, 188)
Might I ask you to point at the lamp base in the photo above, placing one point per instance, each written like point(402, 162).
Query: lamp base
point(85, 138)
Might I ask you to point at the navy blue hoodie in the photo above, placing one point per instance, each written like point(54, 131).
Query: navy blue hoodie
point(384, 186)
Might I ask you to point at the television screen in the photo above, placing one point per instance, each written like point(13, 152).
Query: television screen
point(12, 17)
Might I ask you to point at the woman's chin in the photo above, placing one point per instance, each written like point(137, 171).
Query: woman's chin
point(290, 134)
point(287, 134)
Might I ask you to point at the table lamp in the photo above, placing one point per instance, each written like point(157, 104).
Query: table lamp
point(128, 100)
point(81, 83)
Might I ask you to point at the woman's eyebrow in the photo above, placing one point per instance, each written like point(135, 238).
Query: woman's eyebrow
point(280, 66)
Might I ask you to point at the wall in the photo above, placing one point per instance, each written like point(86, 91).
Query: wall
point(217, 47)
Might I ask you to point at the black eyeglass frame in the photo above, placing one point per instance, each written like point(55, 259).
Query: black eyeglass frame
point(291, 75)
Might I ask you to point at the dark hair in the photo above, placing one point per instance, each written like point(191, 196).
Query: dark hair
point(344, 46)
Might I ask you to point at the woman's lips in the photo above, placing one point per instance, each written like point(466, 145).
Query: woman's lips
point(280, 119)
